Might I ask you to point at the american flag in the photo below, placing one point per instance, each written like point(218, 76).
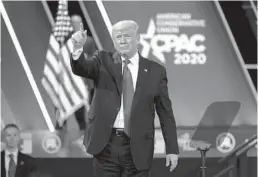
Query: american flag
point(67, 91)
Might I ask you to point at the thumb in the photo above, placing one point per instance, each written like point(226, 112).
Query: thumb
point(167, 161)
point(85, 33)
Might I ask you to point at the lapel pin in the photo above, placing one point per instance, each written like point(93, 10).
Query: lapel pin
point(145, 70)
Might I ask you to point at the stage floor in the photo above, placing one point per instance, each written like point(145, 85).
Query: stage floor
point(82, 167)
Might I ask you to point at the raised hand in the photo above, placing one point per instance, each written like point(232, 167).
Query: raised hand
point(79, 38)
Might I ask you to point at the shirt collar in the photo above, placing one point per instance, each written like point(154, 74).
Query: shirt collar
point(134, 60)
point(15, 153)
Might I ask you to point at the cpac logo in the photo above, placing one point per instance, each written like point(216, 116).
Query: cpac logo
point(161, 43)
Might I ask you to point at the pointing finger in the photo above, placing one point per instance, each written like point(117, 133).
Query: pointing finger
point(81, 28)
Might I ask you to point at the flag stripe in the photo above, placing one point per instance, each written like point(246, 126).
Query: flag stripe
point(52, 94)
point(59, 77)
point(76, 98)
point(54, 44)
point(64, 100)
point(68, 70)
point(77, 80)
point(63, 58)
point(69, 46)
point(52, 80)
point(68, 81)
point(64, 97)
point(51, 58)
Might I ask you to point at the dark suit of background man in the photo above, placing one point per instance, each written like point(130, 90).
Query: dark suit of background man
point(128, 89)
point(13, 162)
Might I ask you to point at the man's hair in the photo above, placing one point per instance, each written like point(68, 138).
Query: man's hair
point(125, 24)
point(11, 125)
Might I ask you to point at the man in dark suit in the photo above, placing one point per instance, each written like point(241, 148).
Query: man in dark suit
point(13, 162)
point(128, 89)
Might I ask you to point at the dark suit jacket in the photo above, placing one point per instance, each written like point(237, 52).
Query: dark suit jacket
point(151, 94)
point(26, 166)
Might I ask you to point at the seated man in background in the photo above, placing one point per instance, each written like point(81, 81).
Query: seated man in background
point(13, 162)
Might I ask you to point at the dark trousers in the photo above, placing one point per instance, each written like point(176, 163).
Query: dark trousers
point(115, 160)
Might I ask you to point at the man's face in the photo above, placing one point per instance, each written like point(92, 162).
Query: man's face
point(126, 41)
point(12, 137)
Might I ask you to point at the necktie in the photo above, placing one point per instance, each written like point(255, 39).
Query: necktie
point(128, 93)
point(12, 167)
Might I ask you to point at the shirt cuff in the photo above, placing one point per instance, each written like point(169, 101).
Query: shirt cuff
point(77, 53)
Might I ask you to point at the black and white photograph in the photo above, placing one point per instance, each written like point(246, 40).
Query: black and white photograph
point(108, 88)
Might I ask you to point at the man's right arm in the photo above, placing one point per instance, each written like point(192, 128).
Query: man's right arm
point(85, 67)
point(81, 65)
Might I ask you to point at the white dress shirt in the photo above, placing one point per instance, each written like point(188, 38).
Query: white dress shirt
point(7, 159)
point(133, 67)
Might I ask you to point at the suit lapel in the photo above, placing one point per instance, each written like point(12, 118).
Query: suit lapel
point(141, 80)
point(116, 71)
point(20, 162)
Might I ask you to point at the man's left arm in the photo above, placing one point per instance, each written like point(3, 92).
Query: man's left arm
point(167, 121)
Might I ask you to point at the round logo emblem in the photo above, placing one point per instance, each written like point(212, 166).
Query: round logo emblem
point(225, 142)
point(51, 143)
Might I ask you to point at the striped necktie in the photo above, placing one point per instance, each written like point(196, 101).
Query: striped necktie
point(12, 166)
